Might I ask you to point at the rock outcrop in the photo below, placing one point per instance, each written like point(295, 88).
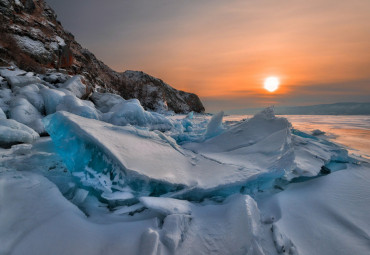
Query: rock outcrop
point(32, 38)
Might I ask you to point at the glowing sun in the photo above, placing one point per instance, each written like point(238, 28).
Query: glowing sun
point(271, 83)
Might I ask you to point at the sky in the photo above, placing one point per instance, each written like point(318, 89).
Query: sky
point(223, 50)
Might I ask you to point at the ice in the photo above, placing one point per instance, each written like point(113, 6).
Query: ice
point(247, 133)
point(52, 98)
point(331, 212)
point(214, 127)
point(37, 219)
point(32, 94)
point(312, 153)
point(262, 144)
point(175, 227)
point(10, 71)
point(55, 78)
point(5, 98)
point(77, 106)
point(76, 85)
point(131, 112)
point(13, 132)
point(150, 163)
point(166, 206)
point(24, 112)
point(105, 101)
point(2, 114)
point(17, 82)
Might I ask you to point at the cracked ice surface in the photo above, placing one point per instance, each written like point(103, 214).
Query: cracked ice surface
point(111, 158)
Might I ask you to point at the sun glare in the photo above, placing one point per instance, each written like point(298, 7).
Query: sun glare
point(271, 83)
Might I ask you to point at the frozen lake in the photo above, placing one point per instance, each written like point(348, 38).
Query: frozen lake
point(352, 131)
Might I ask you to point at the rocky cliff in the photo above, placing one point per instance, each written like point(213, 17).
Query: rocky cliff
point(32, 38)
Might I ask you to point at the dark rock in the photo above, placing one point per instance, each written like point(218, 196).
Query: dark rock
point(29, 6)
point(324, 170)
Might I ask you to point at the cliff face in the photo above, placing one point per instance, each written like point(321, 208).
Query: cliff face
point(32, 38)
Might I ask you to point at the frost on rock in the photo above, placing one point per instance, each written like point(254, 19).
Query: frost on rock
point(105, 101)
point(31, 46)
point(130, 112)
point(77, 106)
point(13, 132)
point(24, 112)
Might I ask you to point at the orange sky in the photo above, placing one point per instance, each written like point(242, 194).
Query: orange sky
point(222, 50)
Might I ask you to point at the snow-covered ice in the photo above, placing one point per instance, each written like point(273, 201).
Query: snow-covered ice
point(76, 86)
point(24, 112)
point(13, 132)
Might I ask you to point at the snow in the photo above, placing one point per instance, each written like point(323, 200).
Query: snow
point(331, 212)
point(61, 42)
point(13, 132)
point(36, 48)
point(166, 206)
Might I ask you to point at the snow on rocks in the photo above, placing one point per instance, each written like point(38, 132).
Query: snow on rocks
point(13, 132)
point(33, 47)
